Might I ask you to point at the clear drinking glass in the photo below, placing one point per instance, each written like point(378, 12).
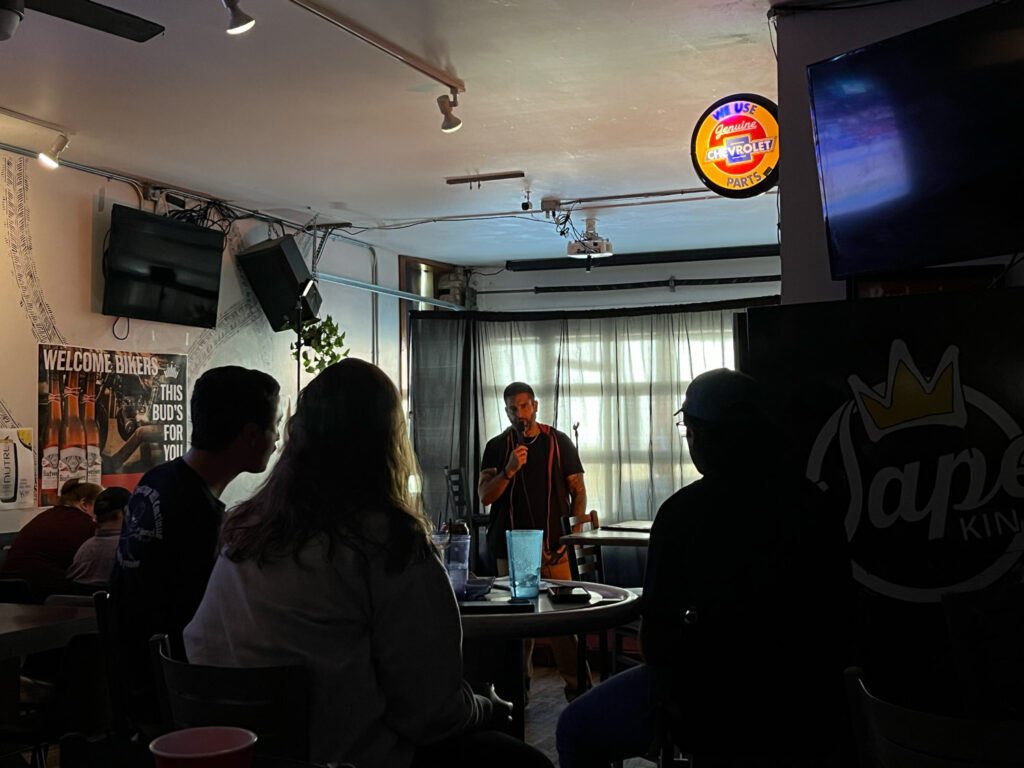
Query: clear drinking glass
point(454, 549)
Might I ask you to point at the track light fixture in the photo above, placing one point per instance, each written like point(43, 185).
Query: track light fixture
point(410, 59)
point(451, 123)
point(11, 14)
point(51, 157)
point(239, 21)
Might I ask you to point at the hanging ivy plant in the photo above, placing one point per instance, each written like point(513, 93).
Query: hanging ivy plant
point(323, 344)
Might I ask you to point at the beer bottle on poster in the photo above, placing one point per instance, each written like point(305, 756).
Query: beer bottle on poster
point(93, 459)
point(48, 471)
point(72, 435)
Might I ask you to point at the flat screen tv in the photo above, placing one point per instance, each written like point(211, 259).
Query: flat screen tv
point(920, 144)
point(159, 268)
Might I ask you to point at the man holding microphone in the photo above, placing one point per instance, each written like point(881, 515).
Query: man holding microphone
point(531, 476)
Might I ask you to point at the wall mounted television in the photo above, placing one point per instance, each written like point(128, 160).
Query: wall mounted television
point(159, 268)
point(919, 141)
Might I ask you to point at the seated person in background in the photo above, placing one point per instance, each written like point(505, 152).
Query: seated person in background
point(330, 565)
point(45, 547)
point(745, 609)
point(168, 539)
point(94, 560)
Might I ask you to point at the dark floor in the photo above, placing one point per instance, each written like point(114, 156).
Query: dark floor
point(547, 701)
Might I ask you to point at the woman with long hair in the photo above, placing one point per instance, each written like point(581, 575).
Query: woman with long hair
point(330, 565)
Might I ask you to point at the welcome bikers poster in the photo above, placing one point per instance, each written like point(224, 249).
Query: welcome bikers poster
point(107, 416)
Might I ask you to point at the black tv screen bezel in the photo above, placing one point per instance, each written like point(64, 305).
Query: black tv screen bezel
point(130, 227)
point(960, 212)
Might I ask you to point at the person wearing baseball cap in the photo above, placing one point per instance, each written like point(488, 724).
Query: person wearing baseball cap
point(724, 420)
point(745, 608)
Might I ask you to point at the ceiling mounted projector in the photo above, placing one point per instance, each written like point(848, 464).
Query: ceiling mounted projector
point(595, 248)
point(591, 245)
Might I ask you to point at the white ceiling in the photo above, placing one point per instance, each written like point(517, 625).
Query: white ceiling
point(298, 118)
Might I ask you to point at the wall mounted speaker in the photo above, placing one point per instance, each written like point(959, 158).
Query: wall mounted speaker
point(278, 274)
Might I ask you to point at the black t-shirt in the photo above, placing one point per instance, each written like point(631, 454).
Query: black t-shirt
point(746, 608)
point(165, 556)
point(524, 503)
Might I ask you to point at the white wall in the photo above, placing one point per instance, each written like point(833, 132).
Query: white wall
point(805, 37)
point(52, 226)
point(513, 291)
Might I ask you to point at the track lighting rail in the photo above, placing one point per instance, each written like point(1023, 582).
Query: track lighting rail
point(381, 44)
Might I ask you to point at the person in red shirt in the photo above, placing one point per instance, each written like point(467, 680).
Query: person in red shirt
point(46, 546)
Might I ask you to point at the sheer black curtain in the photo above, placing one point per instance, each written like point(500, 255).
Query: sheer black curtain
point(611, 380)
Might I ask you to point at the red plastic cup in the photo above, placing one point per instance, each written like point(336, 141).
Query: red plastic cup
point(208, 747)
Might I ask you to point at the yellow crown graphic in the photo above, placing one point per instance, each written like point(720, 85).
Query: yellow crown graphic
point(909, 399)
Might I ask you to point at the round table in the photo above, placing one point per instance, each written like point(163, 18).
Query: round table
point(493, 648)
point(608, 607)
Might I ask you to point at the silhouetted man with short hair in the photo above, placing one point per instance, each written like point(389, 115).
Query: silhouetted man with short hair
point(744, 608)
point(169, 537)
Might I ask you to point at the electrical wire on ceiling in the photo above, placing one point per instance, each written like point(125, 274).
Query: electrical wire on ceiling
point(210, 214)
point(575, 206)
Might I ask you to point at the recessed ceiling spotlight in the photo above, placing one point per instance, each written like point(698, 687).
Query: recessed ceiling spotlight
point(239, 22)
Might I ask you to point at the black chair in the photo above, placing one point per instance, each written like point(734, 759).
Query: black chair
point(585, 564)
point(17, 591)
point(892, 736)
point(80, 701)
point(128, 739)
point(84, 601)
point(71, 695)
point(272, 702)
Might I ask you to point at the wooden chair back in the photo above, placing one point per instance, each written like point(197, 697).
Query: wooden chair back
point(892, 736)
point(272, 702)
point(584, 560)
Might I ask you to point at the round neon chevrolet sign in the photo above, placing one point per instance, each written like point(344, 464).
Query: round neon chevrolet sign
point(735, 146)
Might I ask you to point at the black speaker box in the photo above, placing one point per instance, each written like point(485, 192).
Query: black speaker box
point(278, 275)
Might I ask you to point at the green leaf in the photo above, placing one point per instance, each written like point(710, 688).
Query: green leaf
point(323, 344)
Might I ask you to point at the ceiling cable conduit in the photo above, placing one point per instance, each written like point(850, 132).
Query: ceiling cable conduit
point(602, 198)
point(134, 183)
point(532, 215)
point(390, 291)
point(767, 250)
point(671, 283)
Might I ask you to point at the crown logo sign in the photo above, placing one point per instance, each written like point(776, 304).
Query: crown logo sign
point(171, 371)
point(909, 399)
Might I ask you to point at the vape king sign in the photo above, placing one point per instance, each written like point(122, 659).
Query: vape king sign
point(931, 471)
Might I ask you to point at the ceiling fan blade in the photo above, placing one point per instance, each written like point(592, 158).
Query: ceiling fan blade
point(101, 17)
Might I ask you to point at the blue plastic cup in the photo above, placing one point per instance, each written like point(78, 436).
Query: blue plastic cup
point(524, 549)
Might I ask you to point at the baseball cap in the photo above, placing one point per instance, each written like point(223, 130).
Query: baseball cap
point(722, 395)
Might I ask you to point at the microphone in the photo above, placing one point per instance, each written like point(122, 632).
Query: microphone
point(518, 428)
